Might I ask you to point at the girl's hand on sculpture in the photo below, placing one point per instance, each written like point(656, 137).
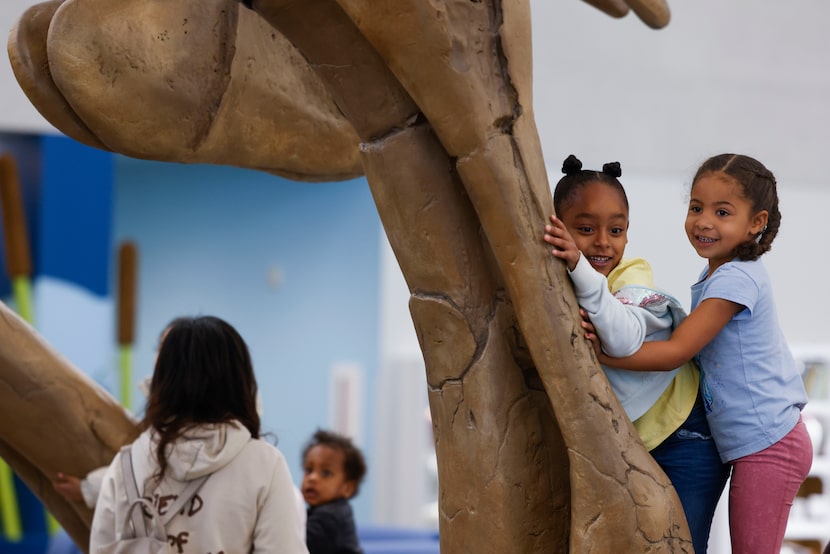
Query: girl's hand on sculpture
point(564, 246)
point(69, 487)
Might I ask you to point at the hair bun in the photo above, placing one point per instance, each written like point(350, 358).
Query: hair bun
point(571, 165)
point(612, 168)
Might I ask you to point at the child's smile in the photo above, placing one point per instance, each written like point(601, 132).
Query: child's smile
point(720, 218)
point(703, 242)
point(598, 262)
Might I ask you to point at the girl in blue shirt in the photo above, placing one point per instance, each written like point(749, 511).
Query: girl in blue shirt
point(750, 383)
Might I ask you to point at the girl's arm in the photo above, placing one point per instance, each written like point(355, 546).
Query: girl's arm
point(695, 332)
point(622, 328)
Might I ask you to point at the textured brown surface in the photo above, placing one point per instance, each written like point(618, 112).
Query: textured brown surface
point(27, 54)
point(466, 66)
point(127, 290)
point(54, 418)
point(614, 8)
point(535, 453)
point(15, 232)
point(192, 81)
point(495, 434)
point(654, 13)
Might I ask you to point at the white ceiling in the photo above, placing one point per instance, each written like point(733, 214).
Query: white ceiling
point(725, 75)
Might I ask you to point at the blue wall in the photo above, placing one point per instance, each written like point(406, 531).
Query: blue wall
point(209, 236)
point(293, 266)
point(75, 214)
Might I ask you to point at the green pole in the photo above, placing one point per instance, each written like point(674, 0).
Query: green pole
point(19, 266)
point(23, 297)
point(12, 527)
point(125, 355)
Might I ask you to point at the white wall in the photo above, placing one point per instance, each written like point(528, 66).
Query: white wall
point(724, 76)
point(16, 112)
point(403, 427)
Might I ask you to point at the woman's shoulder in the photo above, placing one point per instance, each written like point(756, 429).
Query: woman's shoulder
point(265, 455)
point(264, 448)
point(258, 462)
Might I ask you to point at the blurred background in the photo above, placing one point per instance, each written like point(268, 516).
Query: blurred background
point(306, 275)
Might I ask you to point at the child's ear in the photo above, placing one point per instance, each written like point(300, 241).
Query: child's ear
point(759, 221)
point(348, 489)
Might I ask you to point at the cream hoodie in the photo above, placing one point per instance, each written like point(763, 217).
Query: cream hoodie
point(246, 505)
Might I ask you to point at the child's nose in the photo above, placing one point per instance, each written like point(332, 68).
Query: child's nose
point(703, 222)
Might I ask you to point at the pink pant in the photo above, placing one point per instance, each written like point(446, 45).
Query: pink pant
point(762, 490)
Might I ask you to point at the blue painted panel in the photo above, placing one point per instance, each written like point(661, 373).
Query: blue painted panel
point(32, 514)
point(33, 518)
point(75, 223)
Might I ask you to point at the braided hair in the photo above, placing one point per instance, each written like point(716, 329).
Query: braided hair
point(576, 178)
point(758, 185)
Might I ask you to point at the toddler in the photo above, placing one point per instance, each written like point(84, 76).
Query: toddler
point(333, 469)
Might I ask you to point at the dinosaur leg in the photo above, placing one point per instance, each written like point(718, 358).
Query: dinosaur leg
point(502, 463)
point(497, 444)
point(467, 66)
point(473, 85)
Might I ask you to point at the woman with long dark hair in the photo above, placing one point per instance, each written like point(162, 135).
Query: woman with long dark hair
point(201, 418)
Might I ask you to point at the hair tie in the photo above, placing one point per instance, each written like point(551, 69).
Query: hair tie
point(571, 165)
point(612, 168)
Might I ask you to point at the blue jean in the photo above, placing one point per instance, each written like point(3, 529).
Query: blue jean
point(691, 461)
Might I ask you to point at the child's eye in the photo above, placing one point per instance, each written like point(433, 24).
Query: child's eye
point(694, 209)
point(722, 213)
point(326, 473)
point(585, 229)
point(616, 231)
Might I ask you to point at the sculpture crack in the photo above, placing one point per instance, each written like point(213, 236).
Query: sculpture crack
point(328, 66)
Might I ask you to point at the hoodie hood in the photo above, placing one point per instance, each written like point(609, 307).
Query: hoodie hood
point(200, 451)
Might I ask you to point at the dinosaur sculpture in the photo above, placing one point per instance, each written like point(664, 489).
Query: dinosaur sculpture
point(534, 452)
